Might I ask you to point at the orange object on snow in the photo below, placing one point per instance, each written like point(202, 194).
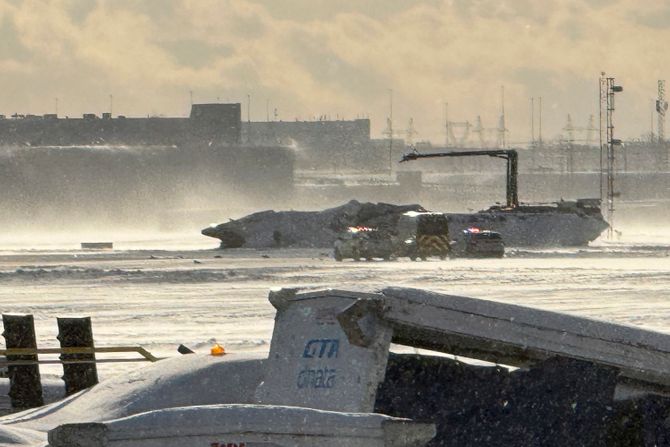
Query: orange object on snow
point(217, 349)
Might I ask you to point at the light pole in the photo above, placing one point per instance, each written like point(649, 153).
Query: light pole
point(607, 91)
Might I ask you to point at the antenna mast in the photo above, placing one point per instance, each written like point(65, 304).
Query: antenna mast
point(661, 107)
point(602, 125)
point(607, 91)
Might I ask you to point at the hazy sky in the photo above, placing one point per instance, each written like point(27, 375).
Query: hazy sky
point(316, 57)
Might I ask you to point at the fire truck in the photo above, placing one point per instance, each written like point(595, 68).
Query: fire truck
point(416, 235)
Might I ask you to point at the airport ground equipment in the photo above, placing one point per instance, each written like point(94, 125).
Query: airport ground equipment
point(510, 155)
point(477, 243)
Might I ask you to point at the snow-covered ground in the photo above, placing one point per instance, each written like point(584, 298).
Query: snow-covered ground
point(159, 292)
point(197, 295)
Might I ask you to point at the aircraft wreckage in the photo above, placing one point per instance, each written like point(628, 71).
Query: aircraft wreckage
point(564, 223)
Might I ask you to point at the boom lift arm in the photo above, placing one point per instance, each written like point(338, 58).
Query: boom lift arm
point(510, 155)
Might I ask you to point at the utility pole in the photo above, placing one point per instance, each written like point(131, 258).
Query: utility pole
point(501, 127)
point(446, 124)
point(248, 107)
point(479, 130)
point(190, 92)
point(111, 104)
point(411, 132)
point(56, 106)
point(390, 130)
point(590, 128)
point(570, 129)
point(532, 121)
point(539, 136)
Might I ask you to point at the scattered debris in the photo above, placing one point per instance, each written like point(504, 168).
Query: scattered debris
point(183, 349)
point(97, 245)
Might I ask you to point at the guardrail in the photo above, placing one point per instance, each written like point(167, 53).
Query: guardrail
point(77, 355)
point(146, 356)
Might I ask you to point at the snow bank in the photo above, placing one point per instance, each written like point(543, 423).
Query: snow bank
point(181, 381)
point(226, 425)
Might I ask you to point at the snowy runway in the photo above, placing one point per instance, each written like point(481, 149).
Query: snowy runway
point(159, 299)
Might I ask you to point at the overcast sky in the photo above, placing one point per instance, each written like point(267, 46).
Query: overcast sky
point(339, 58)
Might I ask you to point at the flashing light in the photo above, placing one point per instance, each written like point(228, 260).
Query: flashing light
point(359, 229)
point(473, 230)
point(217, 350)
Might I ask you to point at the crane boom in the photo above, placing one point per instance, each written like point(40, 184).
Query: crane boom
point(510, 155)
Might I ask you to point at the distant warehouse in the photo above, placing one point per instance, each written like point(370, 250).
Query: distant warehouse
point(211, 123)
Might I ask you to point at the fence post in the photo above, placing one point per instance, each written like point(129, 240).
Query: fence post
point(77, 333)
point(25, 386)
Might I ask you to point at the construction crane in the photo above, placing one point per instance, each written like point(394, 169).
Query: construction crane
point(510, 155)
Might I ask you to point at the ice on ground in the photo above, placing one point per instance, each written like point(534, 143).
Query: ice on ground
point(159, 299)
